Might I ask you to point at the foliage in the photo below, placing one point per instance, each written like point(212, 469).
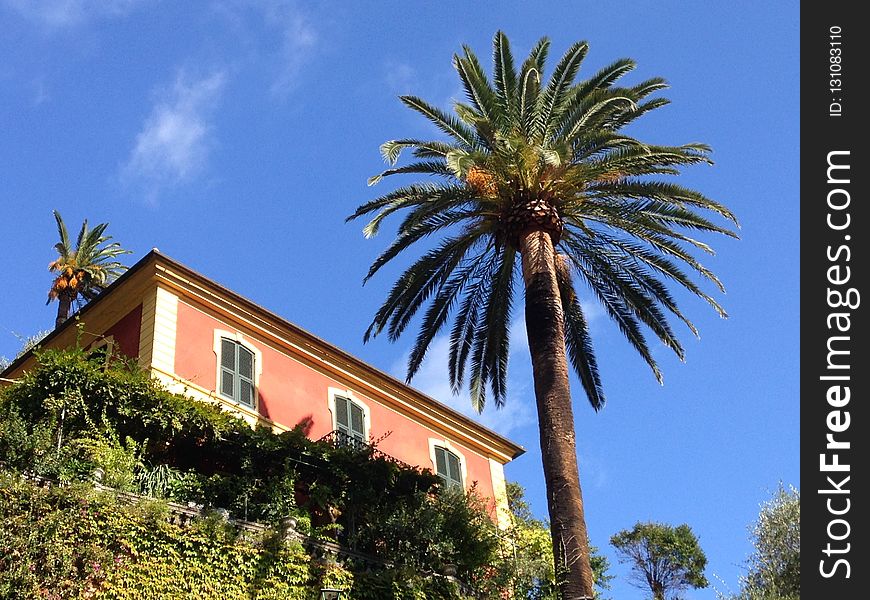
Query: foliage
point(75, 542)
point(84, 270)
point(67, 418)
point(78, 543)
point(664, 558)
point(531, 554)
point(774, 567)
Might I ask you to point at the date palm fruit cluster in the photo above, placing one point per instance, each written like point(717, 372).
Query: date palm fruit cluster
point(482, 182)
point(69, 282)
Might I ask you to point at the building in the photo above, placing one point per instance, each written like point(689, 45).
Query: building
point(207, 342)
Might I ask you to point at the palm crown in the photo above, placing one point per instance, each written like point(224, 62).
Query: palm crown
point(86, 269)
point(523, 153)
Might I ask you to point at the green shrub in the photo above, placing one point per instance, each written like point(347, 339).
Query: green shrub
point(66, 418)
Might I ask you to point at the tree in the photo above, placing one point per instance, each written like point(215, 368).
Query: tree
point(663, 558)
point(83, 271)
point(534, 177)
point(28, 342)
point(775, 564)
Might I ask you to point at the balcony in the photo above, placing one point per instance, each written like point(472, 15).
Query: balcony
point(339, 439)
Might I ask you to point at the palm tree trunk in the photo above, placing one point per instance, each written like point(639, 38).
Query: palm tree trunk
point(63, 305)
point(546, 332)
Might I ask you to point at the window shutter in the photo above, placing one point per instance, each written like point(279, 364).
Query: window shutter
point(236, 372)
point(228, 354)
point(246, 376)
point(342, 420)
point(246, 363)
point(440, 462)
point(454, 472)
point(228, 368)
point(246, 392)
point(357, 422)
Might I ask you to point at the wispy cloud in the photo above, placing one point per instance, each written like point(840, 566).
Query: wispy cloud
point(401, 78)
point(64, 14)
point(175, 141)
point(299, 39)
point(518, 411)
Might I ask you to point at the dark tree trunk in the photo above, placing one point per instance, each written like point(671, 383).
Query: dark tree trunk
point(63, 305)
point(546, 332)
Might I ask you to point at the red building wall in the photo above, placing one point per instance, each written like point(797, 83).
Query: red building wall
point(126, 331)
point(290, 392)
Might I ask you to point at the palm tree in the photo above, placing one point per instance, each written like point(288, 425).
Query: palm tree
point(85, 271)
point(535, 178)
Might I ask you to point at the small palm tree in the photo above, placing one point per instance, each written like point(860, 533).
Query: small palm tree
point(83, 271)
point(536, 183)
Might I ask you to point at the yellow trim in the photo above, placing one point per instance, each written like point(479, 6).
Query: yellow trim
point(146, 328)
point(499, 490)
point(165, 325)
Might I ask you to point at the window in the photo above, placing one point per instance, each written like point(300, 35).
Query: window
point(101, 350)
point(236, 372)
point(350, 419)
point(448, 467)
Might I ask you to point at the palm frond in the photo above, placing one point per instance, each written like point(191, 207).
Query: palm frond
point(505, 73)
point(446, 123)
point(578, 342)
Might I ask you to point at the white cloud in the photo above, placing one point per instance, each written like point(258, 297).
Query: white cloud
point(276, 36)
point(64, 14)
point(519, 409)
point(298, 41)
point(175, 141)
point(401, 78)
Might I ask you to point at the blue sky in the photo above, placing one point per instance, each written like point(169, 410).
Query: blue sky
point(236, 136)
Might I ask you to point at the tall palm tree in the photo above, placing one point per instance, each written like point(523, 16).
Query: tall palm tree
point(534, 177)
point(83, 271)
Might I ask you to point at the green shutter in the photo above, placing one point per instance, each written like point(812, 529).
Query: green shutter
point(454, 471)
point(357, 422)
point(342, 419)
point(236, 372)
point(228, 368)
point(245, 391)
point(440, 462)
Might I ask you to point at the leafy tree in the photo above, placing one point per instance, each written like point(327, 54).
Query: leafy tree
point(83, 271)
point(536, 179)
point(27, 343)
point(663, 558)
point(774, 567)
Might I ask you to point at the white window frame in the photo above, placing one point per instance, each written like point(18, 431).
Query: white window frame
point(235, 336)
point(367, 413)
point(433, 443)
point(107, 342)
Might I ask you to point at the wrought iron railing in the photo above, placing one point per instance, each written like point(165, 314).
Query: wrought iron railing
point(339, 439)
